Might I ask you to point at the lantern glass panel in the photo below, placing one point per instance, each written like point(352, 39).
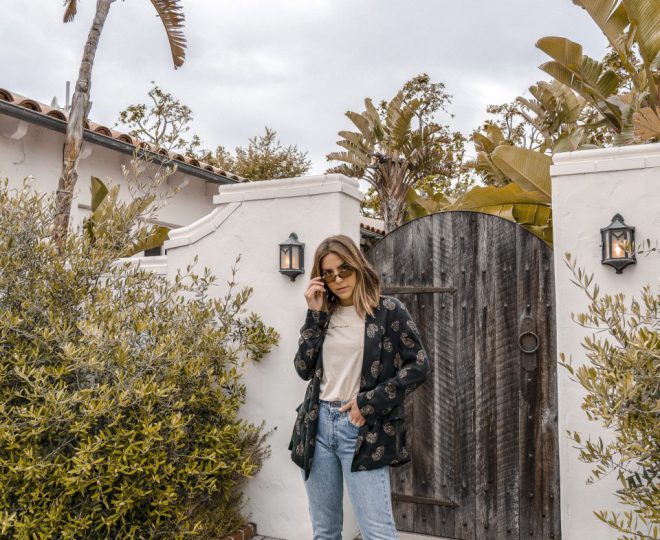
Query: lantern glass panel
point(285, 257)
point(295, 257)
point(617, 241)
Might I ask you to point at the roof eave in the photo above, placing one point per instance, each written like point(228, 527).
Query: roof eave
point(56, 124)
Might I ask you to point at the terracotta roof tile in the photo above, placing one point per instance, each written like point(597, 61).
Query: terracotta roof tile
point(53, 112)
point(372, 229)
point(30, 104)
point(57, 114)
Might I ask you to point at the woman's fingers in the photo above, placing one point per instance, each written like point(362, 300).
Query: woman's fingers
point(315, 294)
point(314, 285)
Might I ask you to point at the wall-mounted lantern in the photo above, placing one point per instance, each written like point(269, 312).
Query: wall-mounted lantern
point(616, 237)
point(292, 257)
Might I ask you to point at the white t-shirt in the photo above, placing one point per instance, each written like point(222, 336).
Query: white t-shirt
point(343, 349)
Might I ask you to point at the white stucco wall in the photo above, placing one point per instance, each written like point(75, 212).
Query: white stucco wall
point(588, 189)
point(30, 150)
point(252, 220)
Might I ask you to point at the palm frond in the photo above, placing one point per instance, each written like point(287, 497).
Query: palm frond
point(70, 10)
point(362, 123)
point(172, 17)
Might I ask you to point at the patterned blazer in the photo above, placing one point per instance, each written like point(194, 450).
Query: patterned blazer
point(393, 365)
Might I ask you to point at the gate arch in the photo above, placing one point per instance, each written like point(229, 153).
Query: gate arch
point(483, 428)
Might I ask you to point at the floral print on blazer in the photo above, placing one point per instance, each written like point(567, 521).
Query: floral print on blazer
point(393, 365)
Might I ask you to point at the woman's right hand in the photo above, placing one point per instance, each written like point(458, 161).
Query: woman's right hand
point(316, 295)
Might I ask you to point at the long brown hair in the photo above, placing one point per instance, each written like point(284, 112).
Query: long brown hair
point(366, 294)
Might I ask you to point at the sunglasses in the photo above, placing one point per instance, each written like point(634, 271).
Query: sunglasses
point(329, 276)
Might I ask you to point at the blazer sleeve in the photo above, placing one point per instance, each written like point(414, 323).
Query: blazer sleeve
point(309, 343)
point(414, 370)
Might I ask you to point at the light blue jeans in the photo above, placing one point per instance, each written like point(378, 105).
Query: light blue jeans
point(369, 491)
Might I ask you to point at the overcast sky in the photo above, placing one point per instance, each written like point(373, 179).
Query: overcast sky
point(293, 65)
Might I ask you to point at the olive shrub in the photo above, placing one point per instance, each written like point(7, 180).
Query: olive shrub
point(621, 380)
point(119, 388)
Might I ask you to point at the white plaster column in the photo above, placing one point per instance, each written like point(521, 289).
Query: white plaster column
point(588, 188)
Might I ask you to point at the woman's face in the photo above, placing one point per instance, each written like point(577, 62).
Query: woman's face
point(341, 287)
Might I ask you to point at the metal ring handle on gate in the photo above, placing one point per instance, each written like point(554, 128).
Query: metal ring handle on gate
point(536, 345)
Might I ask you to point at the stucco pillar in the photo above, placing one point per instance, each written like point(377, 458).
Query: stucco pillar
point(588, 188)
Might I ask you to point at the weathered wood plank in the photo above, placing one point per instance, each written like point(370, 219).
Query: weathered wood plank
point(545, 314)
point(507, 383)
point(418, 245)
point(423, 500)
point(485, 392)
point(443, 376)
point(531, 471)
point(463, 233)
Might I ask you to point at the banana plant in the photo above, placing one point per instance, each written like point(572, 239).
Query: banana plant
point(586, 76)
point(519, 178)
point(105, 224)
point(625, 24)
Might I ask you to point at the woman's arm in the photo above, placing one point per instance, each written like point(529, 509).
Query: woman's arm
point(311, 335)
point(414, 369)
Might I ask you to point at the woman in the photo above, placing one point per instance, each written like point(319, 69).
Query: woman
point(362, 354)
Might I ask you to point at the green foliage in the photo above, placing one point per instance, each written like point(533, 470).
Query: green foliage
point(622, 383)
point(431, 96)
point(264, 158)
point(163, 122)
point(101, 222)
point(623, 89)
point(119, 389)
point(432, 191)
point(590, 104)
point(166, 123)
point(409, 167)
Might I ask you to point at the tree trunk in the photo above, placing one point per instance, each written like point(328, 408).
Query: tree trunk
point(394, 200)
point(74, 128)
point(393, 213)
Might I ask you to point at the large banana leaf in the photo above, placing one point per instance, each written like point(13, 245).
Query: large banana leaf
point(485, 144)
point(529, 209)
point(485, 196)
point(585, 75)
point(644, 16)
point(492, 138)
point(150, 238)
point(527, 168)
point(647, 123)
point(609, 15)
point(422, 205)
point(566, 52)
point(362, 123)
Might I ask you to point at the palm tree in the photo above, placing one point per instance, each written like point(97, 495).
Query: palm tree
point(389, 153)
point(171, 15)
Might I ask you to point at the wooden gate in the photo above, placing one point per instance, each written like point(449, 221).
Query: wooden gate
point(482, 430)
